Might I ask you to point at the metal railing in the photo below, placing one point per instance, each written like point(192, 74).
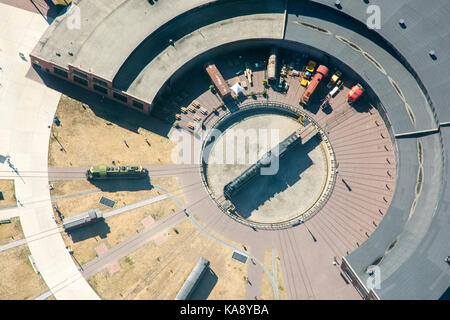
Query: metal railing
point(277, 107)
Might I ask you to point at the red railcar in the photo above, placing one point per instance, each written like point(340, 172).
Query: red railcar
point(219, 82)
point(355, 93)
point(321, 73)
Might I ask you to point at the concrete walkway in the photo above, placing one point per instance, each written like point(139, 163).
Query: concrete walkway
point(254, 274)
point(9, 213)
point(13, 244)
point(27, 108)
point(135, 205)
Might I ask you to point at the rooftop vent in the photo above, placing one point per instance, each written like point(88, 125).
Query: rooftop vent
point(402, 24)
point(338, 4)
point(432, 54)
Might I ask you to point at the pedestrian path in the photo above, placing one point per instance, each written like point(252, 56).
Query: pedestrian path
point(13, 244)
point(135, 205)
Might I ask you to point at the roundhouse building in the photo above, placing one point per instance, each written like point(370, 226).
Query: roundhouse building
point(132, 51)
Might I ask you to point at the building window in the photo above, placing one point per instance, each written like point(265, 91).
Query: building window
point(84, 82)
point(120, 97)
point(61, 72)
point(80, 74)
point(138, 105)
point(349, 275)
point(100, 82)
point(100, 89)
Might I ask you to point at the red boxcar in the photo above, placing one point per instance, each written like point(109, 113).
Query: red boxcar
point(321, 73)
point(219, 82)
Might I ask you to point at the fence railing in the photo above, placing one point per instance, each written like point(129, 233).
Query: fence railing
point(293, 112)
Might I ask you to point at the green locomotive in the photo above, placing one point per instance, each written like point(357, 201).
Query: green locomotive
point(116, 172)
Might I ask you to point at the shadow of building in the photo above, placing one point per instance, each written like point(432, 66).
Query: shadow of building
point(106, 109)
point(264, 187)
point(205, 285)
point(99, 228)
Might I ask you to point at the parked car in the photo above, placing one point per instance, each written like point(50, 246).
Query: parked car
point(307, 75)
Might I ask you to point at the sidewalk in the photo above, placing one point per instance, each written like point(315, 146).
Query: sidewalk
point(27, 109)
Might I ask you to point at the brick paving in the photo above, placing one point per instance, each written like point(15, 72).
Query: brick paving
point(147, 221)
point(160, 240)
point(113, 268)
point(101, 249)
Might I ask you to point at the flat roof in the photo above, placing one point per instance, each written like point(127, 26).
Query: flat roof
point(427, 28)
point(108, 28)
point(143, 78)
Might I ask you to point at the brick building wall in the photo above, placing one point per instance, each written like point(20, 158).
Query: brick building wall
point(92, 83)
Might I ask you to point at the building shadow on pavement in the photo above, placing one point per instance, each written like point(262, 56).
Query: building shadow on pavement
point(262, 188)
point(183, 91)
point(107, 109)
point(123, 185)
point(99, 228)
point(205, 285)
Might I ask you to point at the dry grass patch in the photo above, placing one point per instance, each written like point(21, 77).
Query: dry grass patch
point(9, 195)
point(88, 139)
point(113, 230)
point(11, 231)
point(153, 272)
point(238, 245)
point(72, 206)
point(18, 281)
point(65, 187)
point(78, 204)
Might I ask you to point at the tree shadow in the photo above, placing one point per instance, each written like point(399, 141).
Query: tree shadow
point(264, 187)
point(99, 228)
point(205, 285)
